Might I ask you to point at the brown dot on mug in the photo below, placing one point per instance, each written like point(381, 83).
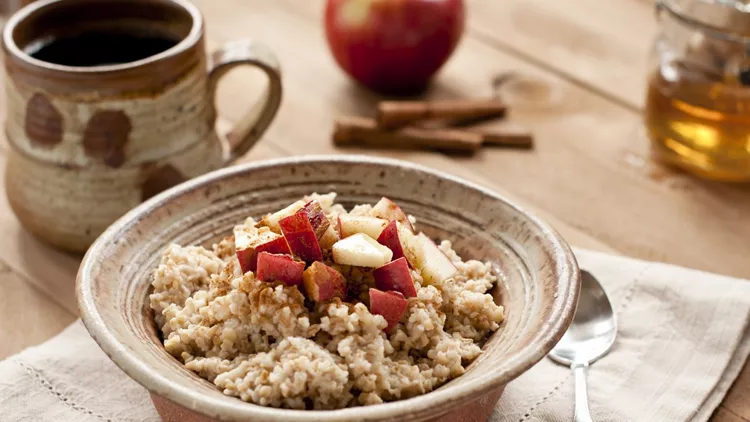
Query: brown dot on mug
point(105, 136)
point(44, 123)
point(160, 179)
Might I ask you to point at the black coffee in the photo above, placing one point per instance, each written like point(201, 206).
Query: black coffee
point(100, 48)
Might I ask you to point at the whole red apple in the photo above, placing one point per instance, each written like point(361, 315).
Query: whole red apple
point(393, 46)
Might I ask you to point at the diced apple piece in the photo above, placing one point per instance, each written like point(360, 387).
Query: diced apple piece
point(317, 218)
point(395, 276)
point(385, 208)
point(283, 268)
point(435, 265)
point(353, 224)
point(391, 305)
point(244, 235)
point(272, 220)
point(362, 251)
point(323, 283)
point(330, 237)
point(390, 239)
point(411, 246)
point(249, 243)
point(300, 237)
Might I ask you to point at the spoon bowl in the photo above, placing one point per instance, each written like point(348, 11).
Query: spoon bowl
point(589, 337)
point(594, 327)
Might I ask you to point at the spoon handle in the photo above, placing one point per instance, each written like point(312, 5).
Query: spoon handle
point(582, 397)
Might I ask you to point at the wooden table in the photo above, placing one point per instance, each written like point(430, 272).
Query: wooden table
point(589, 175)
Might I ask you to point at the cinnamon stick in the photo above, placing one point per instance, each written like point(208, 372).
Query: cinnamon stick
point(499, 138)
point(503, 135)
point(357, 131)
point(395, 114)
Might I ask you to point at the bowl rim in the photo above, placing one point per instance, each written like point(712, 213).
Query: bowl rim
point(440, 401)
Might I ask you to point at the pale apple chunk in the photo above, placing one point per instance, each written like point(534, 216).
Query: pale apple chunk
point(362, 251)
point(434, 264)
point(391, 305)
point(244, 236)
point(323, 283)
point(387, 209)
point(353, 224)
point(272, 220)
point(330, 237)
point(411, 246)
point(250, 242)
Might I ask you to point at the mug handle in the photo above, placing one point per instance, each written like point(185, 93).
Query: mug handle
point(248, 130)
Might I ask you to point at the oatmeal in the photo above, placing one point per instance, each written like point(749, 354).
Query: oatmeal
point(314, 307)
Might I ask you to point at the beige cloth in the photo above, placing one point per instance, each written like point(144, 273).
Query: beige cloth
point(683, 337)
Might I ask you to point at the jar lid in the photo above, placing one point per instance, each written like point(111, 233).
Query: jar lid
point(729, 19)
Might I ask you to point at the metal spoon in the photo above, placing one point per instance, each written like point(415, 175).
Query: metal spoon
point(589, 337)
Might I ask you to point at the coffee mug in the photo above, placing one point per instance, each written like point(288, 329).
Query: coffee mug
point(109, 102)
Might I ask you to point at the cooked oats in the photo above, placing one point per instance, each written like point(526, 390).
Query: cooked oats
point(268, 344)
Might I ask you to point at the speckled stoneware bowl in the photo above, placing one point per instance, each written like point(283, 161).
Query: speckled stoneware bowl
point(539, 279)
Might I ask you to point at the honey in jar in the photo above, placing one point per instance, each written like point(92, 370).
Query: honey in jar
point(697, 111)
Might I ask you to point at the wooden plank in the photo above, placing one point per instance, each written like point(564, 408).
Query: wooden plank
point(53, 272)
point(723, 414)
point(29, 316)
point(303, 127)
point(601, 46)
point(736, 405)
point(588, 168)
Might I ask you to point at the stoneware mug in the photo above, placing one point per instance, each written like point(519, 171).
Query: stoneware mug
point(89, 140)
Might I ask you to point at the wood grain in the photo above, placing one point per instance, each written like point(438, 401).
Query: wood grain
point(577, 162)
point(602, 46)
point(737, 402)
point(590, 43)
point(35, 316)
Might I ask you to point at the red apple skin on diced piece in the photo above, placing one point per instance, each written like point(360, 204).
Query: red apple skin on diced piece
point(272, 220)
point(323, 283)
point(391, 305)
point(395, 276)
point(283, 268)
point(249, 243)
point(390, 239)
point(300, 237)
point(385, 208)
point(248, 257)
point(317, 218)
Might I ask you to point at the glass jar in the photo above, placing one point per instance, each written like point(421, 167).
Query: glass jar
point(697, 112)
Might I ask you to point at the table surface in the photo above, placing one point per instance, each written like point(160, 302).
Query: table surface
point(589, 175)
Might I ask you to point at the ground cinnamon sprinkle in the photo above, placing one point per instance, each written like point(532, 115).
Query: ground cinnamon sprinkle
point(265, 343)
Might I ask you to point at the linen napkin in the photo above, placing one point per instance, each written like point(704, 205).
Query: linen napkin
point(683, 338)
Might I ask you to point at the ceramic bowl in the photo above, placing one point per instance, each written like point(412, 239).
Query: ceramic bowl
point(539, 281)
